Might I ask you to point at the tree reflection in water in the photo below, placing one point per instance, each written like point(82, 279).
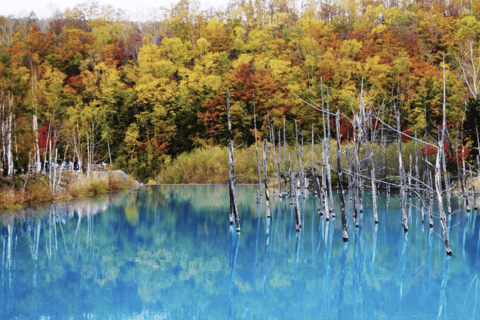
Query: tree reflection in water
point(168, 252)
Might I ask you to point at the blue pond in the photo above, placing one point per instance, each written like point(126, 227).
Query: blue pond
point(168, 252)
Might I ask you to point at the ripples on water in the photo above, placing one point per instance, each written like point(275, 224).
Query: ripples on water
point(167, 252)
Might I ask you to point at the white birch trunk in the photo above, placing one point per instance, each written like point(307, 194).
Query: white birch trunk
point(403, 204)
point(8, 151)
point(36, 150)
point(231, 172)
point(340, 178)
point(265, 174)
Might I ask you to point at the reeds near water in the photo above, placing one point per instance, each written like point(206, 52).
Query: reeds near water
point(34, 190)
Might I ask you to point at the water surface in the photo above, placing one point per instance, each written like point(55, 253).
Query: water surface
point(168, 252)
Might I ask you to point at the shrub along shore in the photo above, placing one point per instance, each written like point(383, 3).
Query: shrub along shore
point(210, 164)
point(22, 191)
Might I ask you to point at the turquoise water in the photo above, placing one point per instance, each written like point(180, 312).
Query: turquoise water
point(167, 252)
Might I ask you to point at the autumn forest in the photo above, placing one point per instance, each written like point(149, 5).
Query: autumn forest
point(97, 87)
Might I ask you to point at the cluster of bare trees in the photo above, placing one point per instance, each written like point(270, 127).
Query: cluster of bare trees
point(361, 174)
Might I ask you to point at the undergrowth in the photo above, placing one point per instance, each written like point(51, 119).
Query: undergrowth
point(26, 191)
point(210, 164)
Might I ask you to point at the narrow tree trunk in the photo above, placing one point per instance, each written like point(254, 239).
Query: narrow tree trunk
point(231, 171)
point(463, 176)
point(298, 216)
point(325, 194)
point(10, 143)
point(474, 192)
point(444, 128)
point(50, 163)
point(299, 170)
point(355, 173)
point(290, 178)
point(329, 170)
point(438, 189)
point(256, 149)
point(284, 155)
point(265, 174)
point(88, 156)
point(272, 146)
point(303, 181)
point(36, 150)
point(374, 185)
point(340, 179)
point(430, 204)
point(279, 170)
point(109, 153)
point(54, 182)
point(401, 172)
point(313, 164)
point(350, 170)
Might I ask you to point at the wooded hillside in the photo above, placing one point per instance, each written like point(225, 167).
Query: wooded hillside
point(137, 94)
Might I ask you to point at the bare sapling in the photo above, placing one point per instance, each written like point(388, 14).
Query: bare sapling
point(340, 179)
point(284, 155)
point(298, 216)
point(438, 190)
point(231, 171)
point(430, 203)
point(374, 185)
point(265, 175)
point(354, 173)
point(279, 170)
point(256, 150)
point(329, 169)
point(443, 138)
point(401, 173)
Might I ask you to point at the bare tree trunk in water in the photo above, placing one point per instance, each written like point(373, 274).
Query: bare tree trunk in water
point(401, 171)
point(438, 181)
point(438, 190)
point(340, 179)
point(430, 204)
point(298, 215)
point(374, 191)
point(284, 156)
point(329, 170)
point(231, 171)
point(256, 149)
point(265, 174)
point(444, 128)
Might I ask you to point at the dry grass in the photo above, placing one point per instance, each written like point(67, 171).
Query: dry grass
point(210, 164)
point(36, 190)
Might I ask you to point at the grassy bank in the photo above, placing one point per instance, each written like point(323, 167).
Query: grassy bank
point(210, 164)
point(22, 191)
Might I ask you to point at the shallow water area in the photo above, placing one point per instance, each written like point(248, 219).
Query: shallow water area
point(168, 252)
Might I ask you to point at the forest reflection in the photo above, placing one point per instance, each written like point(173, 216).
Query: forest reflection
point(169, 252)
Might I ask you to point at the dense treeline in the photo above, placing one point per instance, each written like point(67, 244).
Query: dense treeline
point(97, 87)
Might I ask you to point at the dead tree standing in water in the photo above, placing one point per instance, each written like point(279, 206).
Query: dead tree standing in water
point(438, 181)
point(401, 173)
point(231, 171)
point(340, 179)
point(265, 174)
point(256, 150)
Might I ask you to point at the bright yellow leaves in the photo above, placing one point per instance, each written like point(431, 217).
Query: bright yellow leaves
point(175, 50)
point(258, 40)
point(203, 45)
point(242, 59)
point(350, 48)
point(467, 28)
point(279, 68)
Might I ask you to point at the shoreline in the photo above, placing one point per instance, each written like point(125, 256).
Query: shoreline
point(26, 191)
